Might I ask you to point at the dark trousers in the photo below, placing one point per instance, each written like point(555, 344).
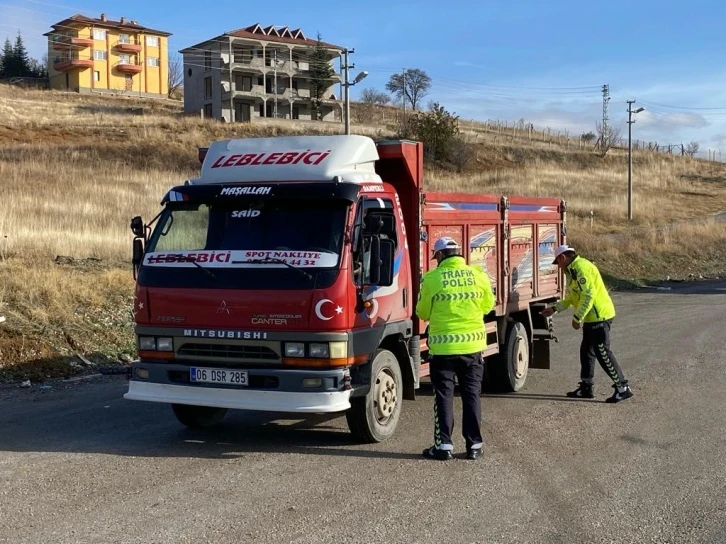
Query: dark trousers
point(595, 346)
point(469, 371)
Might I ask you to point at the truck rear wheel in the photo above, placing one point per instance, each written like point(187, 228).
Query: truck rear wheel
point(507, 371)
point(198, 417)
point(374, 418)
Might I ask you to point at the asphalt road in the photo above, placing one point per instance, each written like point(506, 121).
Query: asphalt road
point(80, 464)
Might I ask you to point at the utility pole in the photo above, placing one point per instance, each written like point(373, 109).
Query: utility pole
point(630, 156)
point(605, 129)
point(274, 90)
point(232, 116)
point(346, 86)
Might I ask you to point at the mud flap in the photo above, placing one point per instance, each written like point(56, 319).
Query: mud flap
point(543, 332)
point(540, 354)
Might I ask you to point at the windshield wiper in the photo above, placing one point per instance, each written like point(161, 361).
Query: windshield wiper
point(273, 260)
point(189, 259)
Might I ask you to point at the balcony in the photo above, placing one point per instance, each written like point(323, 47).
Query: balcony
point(127, 46)
point(256, 93)
point(63, 43)
point(73, 62)
point(300, 94)
point(129, 67)
point(245, 64)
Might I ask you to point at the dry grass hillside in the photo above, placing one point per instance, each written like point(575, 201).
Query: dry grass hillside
point(74, 170)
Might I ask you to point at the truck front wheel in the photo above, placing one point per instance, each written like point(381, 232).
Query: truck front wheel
point(507, 371)
point(374, 418)
point(198, 417)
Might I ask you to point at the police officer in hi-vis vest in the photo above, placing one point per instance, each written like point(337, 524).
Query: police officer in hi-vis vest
point(454, 299)
point(594, 313)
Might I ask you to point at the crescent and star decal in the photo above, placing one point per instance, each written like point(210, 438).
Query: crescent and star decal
point(319, 309)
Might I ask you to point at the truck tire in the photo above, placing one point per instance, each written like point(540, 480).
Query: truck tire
point(507, 371)
point(374, 418)
point(198, 417)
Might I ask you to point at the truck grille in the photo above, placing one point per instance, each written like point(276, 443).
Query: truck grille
point(228, 351)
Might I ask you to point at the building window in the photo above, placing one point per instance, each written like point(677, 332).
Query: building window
point(207, 60)
point(152, 41)
point(96, 76)
point(124, 38)
point(99, 34)
point(207, 87)
point(152, 61)
point(207, 111)
point(124, 59)
point(100, 55)
point(260, 81)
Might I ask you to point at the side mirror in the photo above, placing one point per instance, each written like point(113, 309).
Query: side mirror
point(137, 227)
point(386, 258)
point(381, 266)
point(375, 264)
point(138, 254)
point(138, 251)
point(376, 223)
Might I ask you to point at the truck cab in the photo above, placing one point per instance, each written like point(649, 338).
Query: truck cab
point(276, 281)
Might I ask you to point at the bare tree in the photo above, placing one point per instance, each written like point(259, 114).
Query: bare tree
point(374, 97)
point(410, 85)
point(607, 139)
point(692, 149)
point(176, 76)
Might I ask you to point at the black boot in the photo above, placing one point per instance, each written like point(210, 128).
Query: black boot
point(583, 391)
point(473, 453)
point(621, 393)
point(435, 453)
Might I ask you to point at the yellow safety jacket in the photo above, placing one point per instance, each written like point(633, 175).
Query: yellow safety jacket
point(586, 293)
point(454, 299)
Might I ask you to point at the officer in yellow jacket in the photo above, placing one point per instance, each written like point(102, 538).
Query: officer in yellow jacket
point(454, 299)
point(594, 312)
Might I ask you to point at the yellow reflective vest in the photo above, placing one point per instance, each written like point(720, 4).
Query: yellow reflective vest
point(454, 299)
point(586, 293)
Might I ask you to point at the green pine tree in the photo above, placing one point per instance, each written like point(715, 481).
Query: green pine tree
point(8, 57)
point(21, 58)
point(322, 76)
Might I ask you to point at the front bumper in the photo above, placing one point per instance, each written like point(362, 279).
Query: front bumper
point(274, 390)
point(267, 401)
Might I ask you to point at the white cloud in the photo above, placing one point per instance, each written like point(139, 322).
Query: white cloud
point(670, 122)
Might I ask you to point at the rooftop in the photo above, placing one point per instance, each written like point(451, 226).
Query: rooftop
point(277, 34)
point(104, 22)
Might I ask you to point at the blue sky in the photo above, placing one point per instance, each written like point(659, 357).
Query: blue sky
point(544, 61)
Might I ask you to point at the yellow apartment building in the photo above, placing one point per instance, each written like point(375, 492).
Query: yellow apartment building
point(100, 55)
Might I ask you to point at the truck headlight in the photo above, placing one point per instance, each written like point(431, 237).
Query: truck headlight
point(338, 350)
point(147, 343)
point(319, 350)
point(294, 349)
point(164, 344)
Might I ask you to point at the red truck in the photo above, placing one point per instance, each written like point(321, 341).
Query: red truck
point(285, 279)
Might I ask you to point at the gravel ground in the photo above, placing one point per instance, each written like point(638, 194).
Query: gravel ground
point(80, 464)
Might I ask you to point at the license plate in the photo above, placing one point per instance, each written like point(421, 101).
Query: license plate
point(218, 375)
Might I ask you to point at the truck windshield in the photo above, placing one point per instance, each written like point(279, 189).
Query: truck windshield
point(245, 238)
